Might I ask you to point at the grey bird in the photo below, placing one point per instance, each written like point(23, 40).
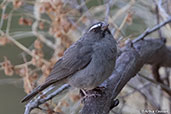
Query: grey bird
point(86, 64)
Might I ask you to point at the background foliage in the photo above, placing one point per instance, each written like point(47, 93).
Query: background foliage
point(35, 33)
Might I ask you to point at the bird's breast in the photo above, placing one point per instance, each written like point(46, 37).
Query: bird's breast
point(98, 70)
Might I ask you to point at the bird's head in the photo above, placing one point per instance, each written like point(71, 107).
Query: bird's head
point(99, 27)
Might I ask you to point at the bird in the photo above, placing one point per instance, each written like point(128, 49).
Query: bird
point(86, 64)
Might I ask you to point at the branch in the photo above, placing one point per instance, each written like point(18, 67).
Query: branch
point(42, 99)
point(2, 15)
point(162, 85)
point(149, 31)
point(35, 27)
point(22, 47)
point(127, 66)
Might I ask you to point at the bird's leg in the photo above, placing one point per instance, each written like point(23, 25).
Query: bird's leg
point(83, 95)
point(90, 93)
point(83, 92)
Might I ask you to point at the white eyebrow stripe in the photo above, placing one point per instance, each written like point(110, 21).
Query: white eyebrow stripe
point(95, 26)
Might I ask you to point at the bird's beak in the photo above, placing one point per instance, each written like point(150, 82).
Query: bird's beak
point(105, 26)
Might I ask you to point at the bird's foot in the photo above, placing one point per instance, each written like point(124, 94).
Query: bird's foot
point(99, 89)
point(89, 96)
point(97, 92)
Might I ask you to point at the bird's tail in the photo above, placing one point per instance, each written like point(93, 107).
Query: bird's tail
point(38, 90)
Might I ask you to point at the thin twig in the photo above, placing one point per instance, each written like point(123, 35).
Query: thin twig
point(130, 93)
point(146, 93)
point(27, 73)
point(24, 48)
point(149, 31)
point(9, 21)
point(2, 16)
point(123, 10)
point(163, 13)
point(18, 66)
point(155, 82)
point(120, 27)
point(36, 33)
point(107, 12)
point(158, 20)
point(40, 100)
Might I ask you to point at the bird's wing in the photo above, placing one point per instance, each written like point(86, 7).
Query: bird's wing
point(75, 58)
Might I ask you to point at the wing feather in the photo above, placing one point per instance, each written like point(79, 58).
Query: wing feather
point(75, 58)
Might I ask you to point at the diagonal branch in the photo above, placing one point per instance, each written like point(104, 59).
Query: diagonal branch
point(22, 47)
point(149, 31)
point(41, 99)
point(127, 66)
